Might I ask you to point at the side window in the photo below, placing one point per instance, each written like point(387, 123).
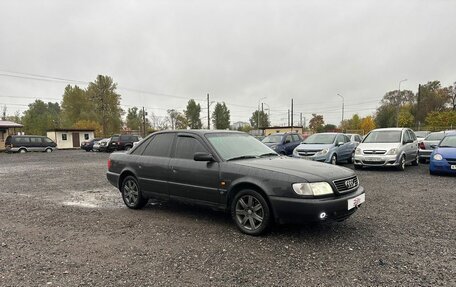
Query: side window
point(358, 138)
point(346, 139)
point(340, 138)
point(412, 135)
point(140, 149)
point(35, 140)
point(22, 140)
point(288, 139)
point(295, 138)
point(160, 145)
point(64, 137)
point(186, 147)
point(48, 140)
point(406, 136)
point(86, 136)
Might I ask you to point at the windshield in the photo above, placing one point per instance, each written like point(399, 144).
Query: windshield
point(320, 139)
point(383, 137)
point(449, 141)
point(236, 145)
point(435, 137)
point(273, 139)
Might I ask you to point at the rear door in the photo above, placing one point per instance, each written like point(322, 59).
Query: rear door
point(153, 165)
point(36, 144)
point(190, 179)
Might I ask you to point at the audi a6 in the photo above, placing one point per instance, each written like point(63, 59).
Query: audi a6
point(234, 172)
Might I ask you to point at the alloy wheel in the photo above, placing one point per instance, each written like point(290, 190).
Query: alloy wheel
point(131, 192)
point(249, 212)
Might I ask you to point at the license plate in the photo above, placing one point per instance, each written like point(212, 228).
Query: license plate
point(453, 166)
point(356, 201)
point(375, 159)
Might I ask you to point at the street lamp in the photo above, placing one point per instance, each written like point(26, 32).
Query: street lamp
point(258, 113)
point(398, 102)
point(343, 106)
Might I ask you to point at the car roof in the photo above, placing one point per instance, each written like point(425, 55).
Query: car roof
point(201, 132)
point(390, 129)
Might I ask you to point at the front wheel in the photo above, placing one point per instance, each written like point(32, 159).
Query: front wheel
point(131, 193)
point(250, 212)
point(401, 165)
point(49, 150)
point(22, 150)
point(333, 159)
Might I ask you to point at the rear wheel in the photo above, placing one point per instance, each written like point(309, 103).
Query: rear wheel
point(131, 193)
point(416, 160)
point(351, 158)
point(250, 212)
point(401, 165)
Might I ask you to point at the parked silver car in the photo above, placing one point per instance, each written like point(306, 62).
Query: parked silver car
point(428, 144)
point(101, 144)
point(388, 147)
point(420, 135)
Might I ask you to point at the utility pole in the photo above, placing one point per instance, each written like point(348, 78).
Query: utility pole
point(300, 120)
point(262, 111)
point(291, 114)
point(208, 114)
point(343, 107)
point(398, 102)
point(144, 123)
point(304, 122)
point(288, 117)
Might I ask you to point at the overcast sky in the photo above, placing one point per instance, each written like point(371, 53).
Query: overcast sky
point(237, 51)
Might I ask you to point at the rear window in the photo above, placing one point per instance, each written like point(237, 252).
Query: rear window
point(435, 137)
point(115, 138)
point(36, 140)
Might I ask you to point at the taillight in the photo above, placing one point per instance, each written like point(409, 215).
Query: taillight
point(118, 143)
point(421, 145)
point(109, 164)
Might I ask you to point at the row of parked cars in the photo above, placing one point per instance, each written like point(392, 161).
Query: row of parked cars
point(389, 147)
point(114, 143)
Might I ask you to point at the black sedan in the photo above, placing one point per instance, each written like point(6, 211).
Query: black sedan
point(233, 171)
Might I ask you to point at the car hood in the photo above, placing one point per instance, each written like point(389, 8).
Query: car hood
point(271, 144)
point(313, 146)
point(306, 169)
point(381, 146)
point(446, 152)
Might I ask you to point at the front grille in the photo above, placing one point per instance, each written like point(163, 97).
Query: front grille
point(374, 151)
point(302, 152)
point(346, 184)
point(374, 162)
point(451, 160)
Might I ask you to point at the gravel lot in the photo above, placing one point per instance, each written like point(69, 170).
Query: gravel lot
point(63, 224)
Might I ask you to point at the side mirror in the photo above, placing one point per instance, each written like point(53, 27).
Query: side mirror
point(202, 156)
point(340, 143)
point(287, 142)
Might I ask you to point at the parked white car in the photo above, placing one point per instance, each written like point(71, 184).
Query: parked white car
point(387, 147)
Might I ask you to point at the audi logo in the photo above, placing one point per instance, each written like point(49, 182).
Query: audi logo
point(350, 183)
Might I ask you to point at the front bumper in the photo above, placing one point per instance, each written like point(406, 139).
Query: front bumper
point(441, 166)
point(376, 160)
point(424, 153)
point(320, 158)
point(300, 210)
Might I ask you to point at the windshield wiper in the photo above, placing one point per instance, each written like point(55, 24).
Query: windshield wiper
point(269, 154)
point(242, 157)
point(445, 146)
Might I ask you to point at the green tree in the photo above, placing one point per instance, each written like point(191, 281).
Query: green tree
point(177, 119)
point(316, 123)
point(406, 118)
point(40, 117)
point(192, 113)
point(88, 124)
point(262, 117)
point(76, 106)
point(329, 128)
point(134, 119)
point(106, 102)
point(385, 116)
point(441, 120)
point(432, 97)
point(221, 117)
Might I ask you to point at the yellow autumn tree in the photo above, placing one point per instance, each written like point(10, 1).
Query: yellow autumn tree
point(87, 124)
point(367, 124)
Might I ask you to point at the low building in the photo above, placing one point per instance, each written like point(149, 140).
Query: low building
point(70, 138)
point(8, 128)
point(274, 130)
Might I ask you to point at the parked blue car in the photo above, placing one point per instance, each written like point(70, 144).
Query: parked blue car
point(326, 147)
point(443, 157)
point(283, 143)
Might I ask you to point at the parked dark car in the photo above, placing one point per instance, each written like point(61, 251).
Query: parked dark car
point(122, 142)
point(27, 143)
point(88, 145)
point(233, 171)
point(283, 143)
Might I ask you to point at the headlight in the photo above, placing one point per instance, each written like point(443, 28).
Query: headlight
point(295, 152)
point(274, 147)
point(392, 151)
point(313, 188)
point(322, 152)
point(438, 156)
point(358, 150)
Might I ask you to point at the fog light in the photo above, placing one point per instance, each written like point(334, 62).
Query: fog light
point(323, 215)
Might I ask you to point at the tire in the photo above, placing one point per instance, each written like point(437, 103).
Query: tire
point(48, 150)
point(358, 166)
point(22, 150)
point(401, 166)
point(350, 160)
point(250, 212)
point(131, 193)
point(422, 160)
point(333, 159)
point(416, 160)
point(127, 148)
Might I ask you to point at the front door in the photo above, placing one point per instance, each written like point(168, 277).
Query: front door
point(190, 179)
point(76, 142)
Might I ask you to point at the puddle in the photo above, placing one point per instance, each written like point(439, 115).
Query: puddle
point(97, 198)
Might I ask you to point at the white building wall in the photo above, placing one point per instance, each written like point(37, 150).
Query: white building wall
point(64, 139)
